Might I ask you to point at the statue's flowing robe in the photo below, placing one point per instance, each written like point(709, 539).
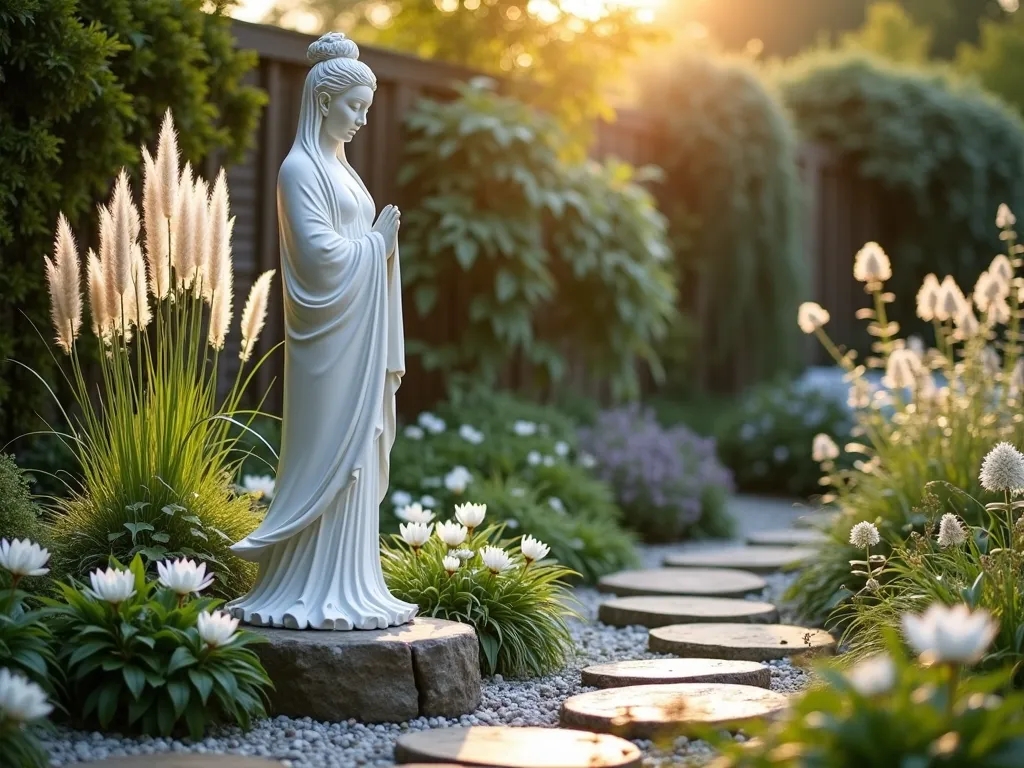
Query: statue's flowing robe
point(318, 546)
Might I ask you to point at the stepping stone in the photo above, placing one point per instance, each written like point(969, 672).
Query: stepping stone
point(753, 559)
point(183, 760)
point(653, 611)
point(747, 642)
point(652, 711)
point(662, 671)
point(700, 582)
point(506, 747)
point(787, 537)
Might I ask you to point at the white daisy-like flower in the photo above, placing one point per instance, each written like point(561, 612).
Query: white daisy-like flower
point(414, 534)
point(451, 564)
point(401, 498)
point(951, 531)
point(414, 432)
point(471, 434)
point(451, 533)
point(871, 264)
point(415, 513)
point(21, 700)
point(950, 634)
point(1003, 470)
point(864, 535)
point(463, 554)
point(457, 480)
point(524, 428)
point(533, 549)
point(216, 629)
point(928, 298)
point(824, 448)
point(260, 485)
point(112, 585)
point(534, 459)
point(811, 316)
point(873, 676)
point(22, 557)
point(1004, 217)
point(183, 576)
point(495, 559)
point(562, 448)
point(470, 514)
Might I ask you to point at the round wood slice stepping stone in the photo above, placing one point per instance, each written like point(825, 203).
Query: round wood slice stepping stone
point(507, 747)
point(787, 537)
point(747, 642)
point(650, 711)
point(662, 671)
point(706, 582)
point(753, 559)
point(183, 760)
point(653, 611)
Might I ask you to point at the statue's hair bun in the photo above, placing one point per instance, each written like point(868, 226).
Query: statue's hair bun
point(333, 45)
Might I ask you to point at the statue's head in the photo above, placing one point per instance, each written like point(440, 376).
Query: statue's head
point(342, 85)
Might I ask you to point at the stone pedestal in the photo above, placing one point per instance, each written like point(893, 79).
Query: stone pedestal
point(427, 668)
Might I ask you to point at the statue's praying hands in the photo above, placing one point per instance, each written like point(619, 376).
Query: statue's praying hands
point(387, 224)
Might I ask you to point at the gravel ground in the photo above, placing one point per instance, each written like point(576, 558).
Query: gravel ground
point(303, 743)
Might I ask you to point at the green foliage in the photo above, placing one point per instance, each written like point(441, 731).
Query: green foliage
point(519, 614)
point(733, 197)
point(526, 254)
point(892, 33)
point(995, 60)
point(766, 440)
point(22, 746)
point(141, 665)
point(926, 718)
point(19, 515)
point(84, 82)
point(27, 643)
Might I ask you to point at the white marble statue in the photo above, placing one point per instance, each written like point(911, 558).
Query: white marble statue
point(318, 548)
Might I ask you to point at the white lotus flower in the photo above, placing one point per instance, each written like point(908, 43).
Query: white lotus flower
point(401, 499)
point(414, 534)
point(824, 448)
point(183, 576)
point(471, 434)
point(533, 458)
point(562, 448)
point(950, 634)
point(951, 531)
point(533, 549)
point(413, 432)
point(524, 428)
point(495, 559)
point(1004, 217)
point(928, 298)
point(112, 585)
point(216, 629)
point(873, 676)
point(470, 515)
point(457, 480)
point(451, 564)
point(261, 485)
point(864, 535)
point(871, 264)
point(22, 557)
point(451, 533)
point(21, 700)
point(1003, 470)
point(415, 513)
point(463, 554)
point(811, 316)
point(431, 423)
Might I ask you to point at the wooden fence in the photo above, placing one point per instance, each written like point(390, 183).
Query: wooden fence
point(839, 217)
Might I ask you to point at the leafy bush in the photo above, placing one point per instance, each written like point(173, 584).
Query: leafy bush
point(143, 658)
point(733, 197)
point(517, 607)
point(669, 482)
point(499, 217)
point(87, 82)
point(154, 448)
point(766, 441)
point(19, 515)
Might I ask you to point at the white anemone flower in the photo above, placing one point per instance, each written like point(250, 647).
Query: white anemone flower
point(22, 557)
point(415, 534)
point(451, 533)
point(873, 676)
point(871, 264)
point(562, 448)
point(451, 564)
point(950, 634)
point(533, 549)
point(415, 513)
point(112, 585)
point(401, 499)
point(824, 448)
point(21, 700)
point(811, 316)
point(216, 629)
point(524, 428)
point(183, 576)
point(413, 432)
point(433, 424)
point(463, 554)
point(951, 531)
point(495, 559)
point(470, 515)
point(864, 535)
point(261, 485)
point(457, 480)
point(428, 501)
point(534, 459)
point(471, 434)
point(1003, 470)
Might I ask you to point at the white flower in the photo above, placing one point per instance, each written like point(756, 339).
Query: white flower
point(471, 434)
point(872, 585)
point(451, 564)
point(902, 369)
point(22, 557)
point(533, 458)
point(1003, 469)
point(549, 461)
point(951, 299)
point(413, 432)
point(587, 461)
point(21, 700)
point(414, 534)
point(1004, 217)
point(811, 316)
point(415, 513)
point(216, 629)
point(261, 485)
point(928, 298)
point(871, 264)
point(864, 535)
point(556, 504)
point(470, 515)
point(950, 634)
point(1002, 268)
point(533, 549)
point(860, 394)
point(112, 585)
point(401, 499)
point(428, 501)
point(951, 531)
point(873, 676)
point(824, 448)
point(451, 533)
point(457, 480)
point(562, 448)
point(990, 289)
point(495, 559)
point(183, 576)
point(431, 423)
point(463, 554)
point(524, 428)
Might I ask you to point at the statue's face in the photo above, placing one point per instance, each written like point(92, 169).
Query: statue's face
point(344, 115)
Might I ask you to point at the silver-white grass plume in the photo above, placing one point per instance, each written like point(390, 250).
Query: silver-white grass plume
point(989, 289)
point(255, 314)
point(951, 299)
point(201, 237)
point(1004, 217)
point(951, 531)
point(811, 316)
point(218, 235)
point(999, 312)
point(1002, 268)
point(824, 448)
point(990, 361)
point(928, 298)
point(119, 261)
point(167, 167)
point(64, 279)
point(97, 296)
point(871, 264)
point(140, 314)
point(157, 244)
point(220, 307)
point(183, 239)
point(966, 322)
point(902, 369)
point(864, 535)
point(1017, 378)
point(1003, 470)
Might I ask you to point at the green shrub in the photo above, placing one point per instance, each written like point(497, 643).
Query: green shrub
point(19, 514)
point(766, 441)
point(519, 613)
point(732, 196)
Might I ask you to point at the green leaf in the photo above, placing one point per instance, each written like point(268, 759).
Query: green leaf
point(465, 252)
point(107, 704)
point(84, 651)
point(505, 285)
point(489, 644)
point(203, 683)
point(179, 693)
point(161, 538)
point(135, 528)
point(196, 720)
point(135, 679)
point(115, 536)
point(192, 519)
point(165, 715)
point(181, 658)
